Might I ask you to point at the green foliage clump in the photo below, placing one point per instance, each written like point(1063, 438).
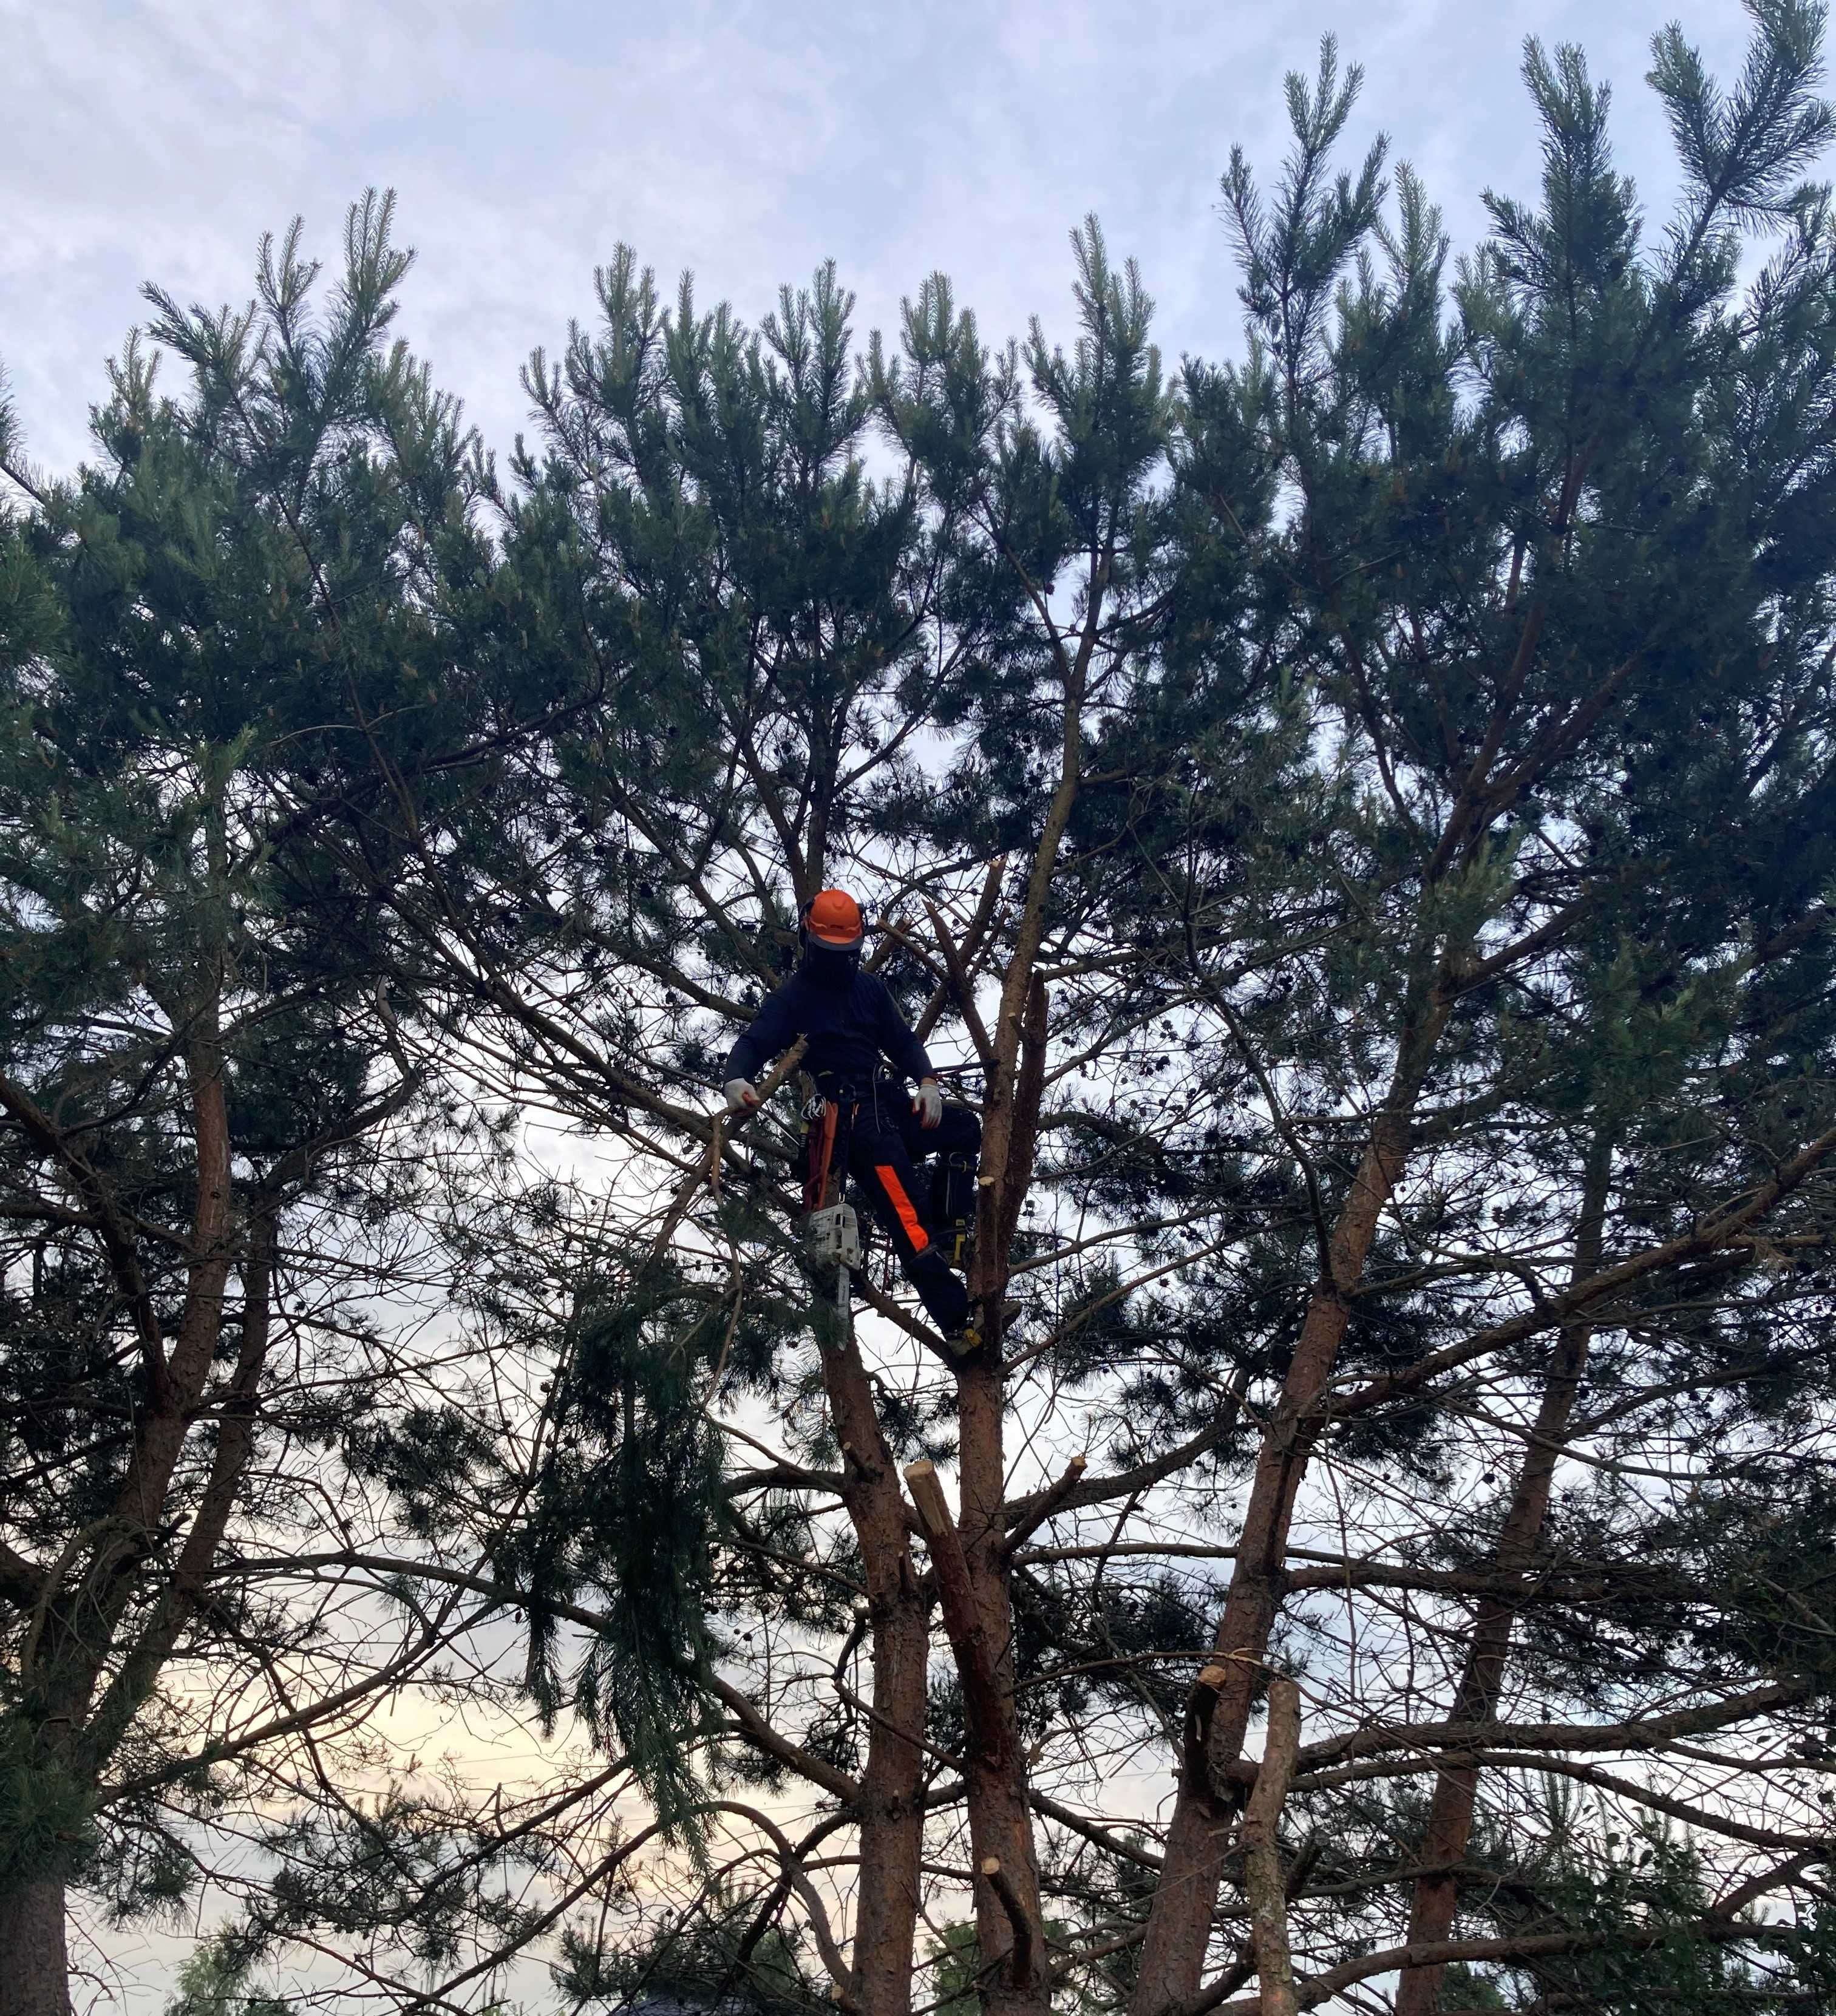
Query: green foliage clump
point(626, 1515)
point(214, 1981)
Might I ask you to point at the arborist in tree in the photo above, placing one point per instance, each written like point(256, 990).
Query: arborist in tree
point(854, 1032)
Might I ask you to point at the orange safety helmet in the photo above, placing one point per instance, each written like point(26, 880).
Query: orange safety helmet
point(833, 918)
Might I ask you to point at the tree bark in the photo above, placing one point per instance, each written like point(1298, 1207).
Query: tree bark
point(969, 1561)
point(1000, 1809)
point(1217, 1714)
point(35, 1962)
point(891, 1808)
point(108, 1583)
point(1262, 1875)
point(1449, 1828)
point(237, 1411)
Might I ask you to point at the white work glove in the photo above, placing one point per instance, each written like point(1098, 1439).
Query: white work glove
point(739, 1094)
point(927, 1102)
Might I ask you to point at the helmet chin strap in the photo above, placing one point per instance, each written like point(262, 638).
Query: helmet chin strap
point(829, 963)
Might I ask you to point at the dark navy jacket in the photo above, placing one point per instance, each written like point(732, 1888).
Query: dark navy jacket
point(850, 1029)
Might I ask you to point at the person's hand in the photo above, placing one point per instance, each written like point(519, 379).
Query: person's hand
point(927, 1102)
point(739, 1094)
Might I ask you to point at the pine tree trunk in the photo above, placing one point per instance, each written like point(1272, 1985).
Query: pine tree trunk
point(1218, 1716)
point(969, 1555)
point(1449, 1828)
point(892, 1808)
point(968, 1565)
point(1008, 1917)
point(969, 1558)
point(892, 1812)
point(34, 1964)
point(1261, 1851)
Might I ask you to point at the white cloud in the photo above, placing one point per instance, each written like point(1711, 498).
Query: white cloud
point(747, 141)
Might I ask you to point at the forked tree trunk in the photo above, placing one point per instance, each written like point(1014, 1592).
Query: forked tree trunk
point(1218, 1716)
point(35, 1963)
point(1449, 1829)
point(969, 1557)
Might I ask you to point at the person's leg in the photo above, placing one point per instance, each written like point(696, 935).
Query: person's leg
point(878, 1161)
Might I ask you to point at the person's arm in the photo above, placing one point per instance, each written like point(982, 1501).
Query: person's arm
point(898, 1040)
point(771, 1032)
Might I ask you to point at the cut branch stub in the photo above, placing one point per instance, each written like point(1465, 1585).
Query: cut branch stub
point(1021, 1960)
point(954, 1598)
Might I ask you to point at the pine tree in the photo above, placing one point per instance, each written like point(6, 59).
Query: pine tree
point(741, 638)
point(204, 1081)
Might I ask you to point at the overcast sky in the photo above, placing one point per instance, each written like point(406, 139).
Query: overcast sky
point(747, 142)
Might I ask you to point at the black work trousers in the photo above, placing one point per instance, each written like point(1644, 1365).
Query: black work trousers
point(885, 1144)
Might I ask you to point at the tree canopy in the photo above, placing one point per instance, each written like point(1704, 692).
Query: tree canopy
point(1360, 818)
